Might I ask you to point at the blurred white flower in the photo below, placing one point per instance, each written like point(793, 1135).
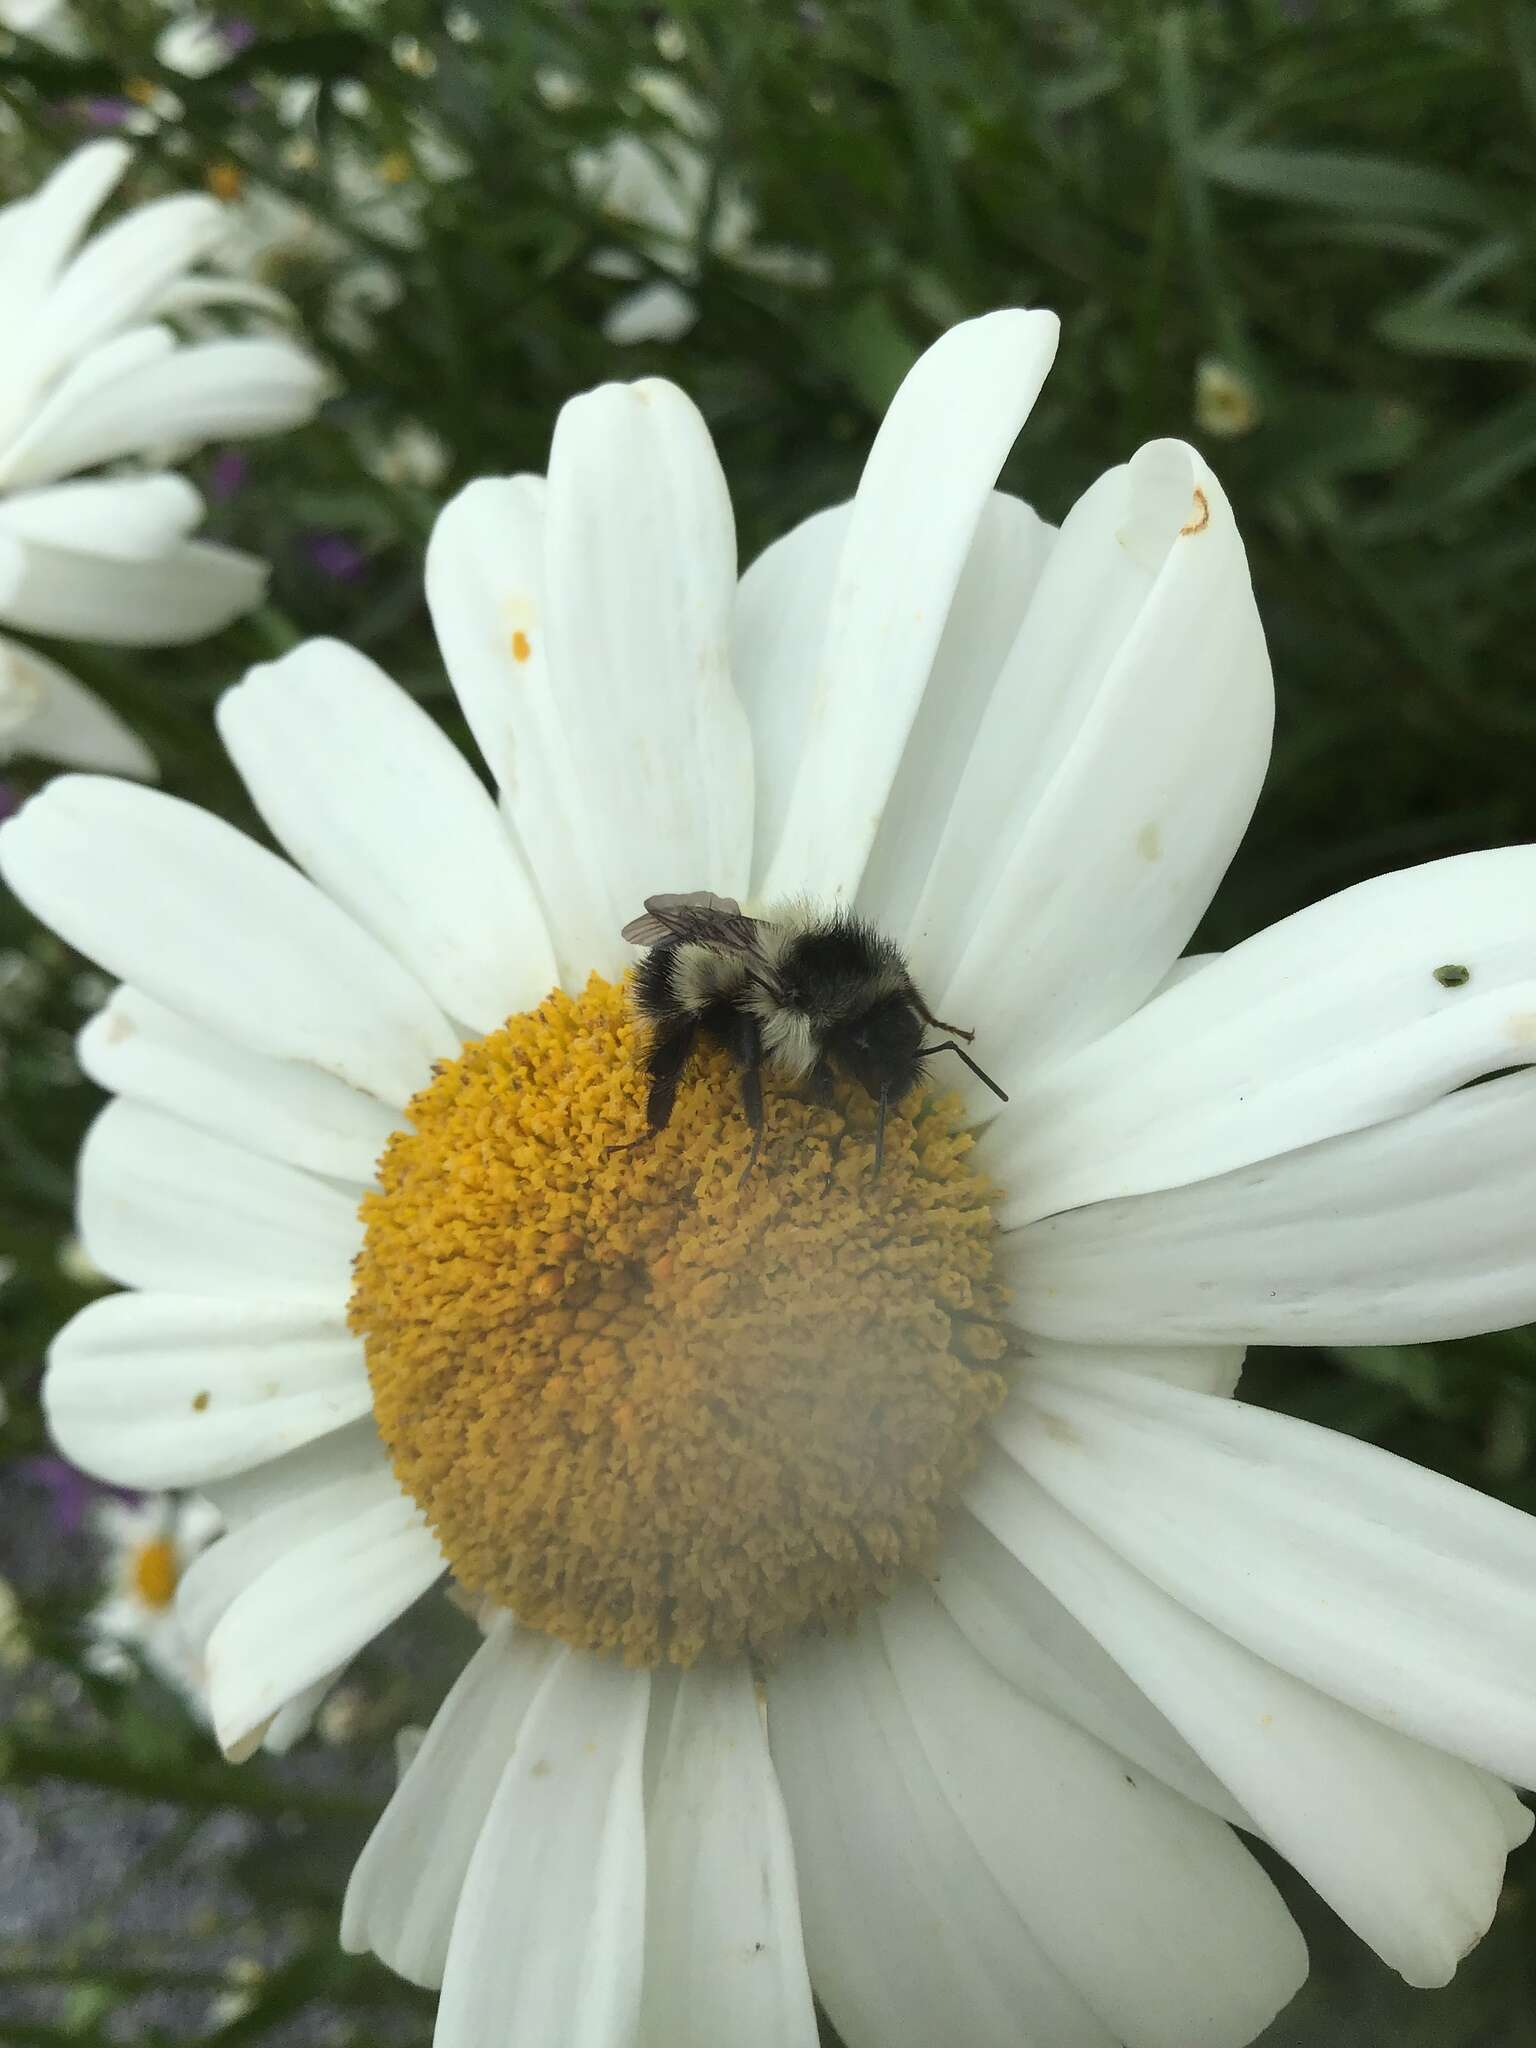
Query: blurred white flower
point(198, 44)
point(559, 90)
point(149, 1544)
point(380, 196)
point(657, 184)
point(52, 22)
point(269, 237)
point(92, 375)
point(414, 56)
point(1226, 403)
point(409, 455)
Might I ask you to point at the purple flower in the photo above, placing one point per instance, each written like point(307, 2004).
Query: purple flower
point(104, 112)
point(238, 33)
point(70, 1493)
point(336, 556)
point(226, 478)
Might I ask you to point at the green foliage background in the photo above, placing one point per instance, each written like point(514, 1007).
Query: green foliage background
point(1334, 201)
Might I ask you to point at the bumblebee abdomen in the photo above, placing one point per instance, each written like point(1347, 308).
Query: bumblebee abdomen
point(686, 978)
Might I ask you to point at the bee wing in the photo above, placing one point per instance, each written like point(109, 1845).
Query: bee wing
point(699, 918)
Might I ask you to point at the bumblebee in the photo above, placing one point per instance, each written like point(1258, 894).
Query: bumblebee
point(803, 993)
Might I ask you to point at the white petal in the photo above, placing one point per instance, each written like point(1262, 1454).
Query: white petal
point(229, 389)
point(1205, 1369)
point(724, 1958)
point(485, 585)
point(640, 585)
point(550, 1932)
point(196, 294)
point(1403, 1842)
point(164, 1205)
point(997, 581)
point(102, 366)
point(781, 620)
point(1026, 1635)
point(1330, 1020)
point(163, 1390)
point(404, 1891)
point(352, 1452)
point(41, 233)
point(415, 850)
point(183, 595)
point(911, 1941)
point(327, 1484)
point(222, 932)
point(1394, 1589)
point(1152, 1908)
point(1413, 1230)
point(46, 712)
point(278, 1108)
point(120, 274)
point(133, 518)
point(927, 480)
point(658, 311)
point(1112, 777)
point(315, 1607)
point(290, 1724)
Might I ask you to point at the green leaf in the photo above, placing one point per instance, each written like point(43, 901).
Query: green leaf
point(1423, 330)
point(1341, 181)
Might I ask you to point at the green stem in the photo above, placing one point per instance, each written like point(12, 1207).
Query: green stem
point(27, 1759)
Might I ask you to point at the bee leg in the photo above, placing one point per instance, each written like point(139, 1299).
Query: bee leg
point(820, 1083)
point(937, 1023)
point(671, 1050)
point(744, 1042)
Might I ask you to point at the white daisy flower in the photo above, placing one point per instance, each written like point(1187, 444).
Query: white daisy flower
point(148, 1545)
point(196, 45)
point(400, 1304)
point(659, 186)
point(51, 22)
point(91, 376)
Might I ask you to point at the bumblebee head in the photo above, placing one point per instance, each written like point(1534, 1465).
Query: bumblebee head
point(880, 1047)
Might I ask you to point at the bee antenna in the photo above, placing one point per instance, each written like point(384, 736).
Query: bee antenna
point(885, 1096)
point(949, 1045)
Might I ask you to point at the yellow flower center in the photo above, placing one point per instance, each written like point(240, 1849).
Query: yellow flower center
point(648, 1406)
point(155, 1572)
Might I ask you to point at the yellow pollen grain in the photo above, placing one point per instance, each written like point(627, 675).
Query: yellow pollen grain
point(155, 1573)
point(644, 1406)
point(522, 647)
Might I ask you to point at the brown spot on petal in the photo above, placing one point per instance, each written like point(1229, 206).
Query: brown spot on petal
point(1149, 842)
point(200, 1401)
point(1202, 518)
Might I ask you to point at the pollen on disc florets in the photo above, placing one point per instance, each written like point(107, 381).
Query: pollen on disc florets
point(642, 1405)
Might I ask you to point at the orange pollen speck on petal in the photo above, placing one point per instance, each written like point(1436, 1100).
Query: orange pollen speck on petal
point(156, 1573)
point(648, 1407)
point(522, 647)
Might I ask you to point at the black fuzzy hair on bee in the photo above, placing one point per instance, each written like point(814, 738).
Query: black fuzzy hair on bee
point(804, 993)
